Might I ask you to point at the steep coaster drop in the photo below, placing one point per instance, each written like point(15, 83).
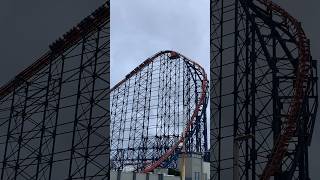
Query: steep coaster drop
point(158, 108)
point(274, 91)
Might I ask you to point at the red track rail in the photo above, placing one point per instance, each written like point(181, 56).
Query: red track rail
point(281, 146)
point(87, 26)
point(192, 120)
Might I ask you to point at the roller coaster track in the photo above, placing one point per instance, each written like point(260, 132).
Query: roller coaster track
point(189, 123)
point(174, 59)
point(267, 49)
point(54, 115)
point(302, 81)
point(302, 76)
point(84, 28)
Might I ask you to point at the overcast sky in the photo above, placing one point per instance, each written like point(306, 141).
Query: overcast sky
point(28, 27)
point(139, 29)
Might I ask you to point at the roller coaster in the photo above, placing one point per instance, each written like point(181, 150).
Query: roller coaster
point(157, 111)
point(264, 94)
point(54, 114)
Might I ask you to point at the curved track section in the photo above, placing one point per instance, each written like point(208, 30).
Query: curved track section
point(264, 95)
point(158, 108)
point(303, 72)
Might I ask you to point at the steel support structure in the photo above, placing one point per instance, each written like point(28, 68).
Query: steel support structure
point(54, 116)
point(156, 110)
point(263, 92)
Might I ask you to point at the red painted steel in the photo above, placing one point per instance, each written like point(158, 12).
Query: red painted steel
point(281, 145)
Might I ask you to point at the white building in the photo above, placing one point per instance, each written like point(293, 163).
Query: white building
point(194, 167)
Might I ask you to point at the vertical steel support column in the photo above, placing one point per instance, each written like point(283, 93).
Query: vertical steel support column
point(57, 109)
point(247, 97)
point(253, 99)
point(8, 134)
point(92, 101)
point(220, 90)
point(216, 68)
point(17, 166)
point(276, 124)
point(235, 96)
point(44, 119)
point(75, 122)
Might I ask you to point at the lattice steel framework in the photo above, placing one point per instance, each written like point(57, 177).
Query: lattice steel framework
point(159, 107)
point(263, 92)
point(54, 116)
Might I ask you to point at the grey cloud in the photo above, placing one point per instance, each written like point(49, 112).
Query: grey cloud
point(141, 28)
